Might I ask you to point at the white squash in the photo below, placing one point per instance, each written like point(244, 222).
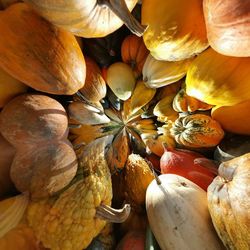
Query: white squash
point(178, 215)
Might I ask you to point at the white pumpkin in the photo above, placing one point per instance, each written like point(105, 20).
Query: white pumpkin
point(178, 215)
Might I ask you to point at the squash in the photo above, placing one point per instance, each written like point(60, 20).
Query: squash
point(218, 80)
point(176, 29)
point(178, 214)
point(239, 122)
point(92, 18)
point(137, 177)
point(95, 87)
point(229, 204)
point(157, 73)
point(39, 54)
point(76, 215)
point(7, 152)
point(185, 103)
point(197, 131)
point(45, 161)
point(227, 24)
point(134, 53)
point(9, 87)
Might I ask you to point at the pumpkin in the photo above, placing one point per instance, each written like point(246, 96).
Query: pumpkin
point(134, 53)
point(49, 60)
point(89, 18)
point(157, 73)
point(239, 122)
point(45, 161)
point(185, 103)
point(94, 88)
point(178, 214)
point(196, 131)
point(9, 87)
point(137, 177)
point(121, 86)
point(7, 152)
point(229, 204)
point(227, 24)
point(218, 80)
point(176, 29)
point(132, 240)
point(181, 162)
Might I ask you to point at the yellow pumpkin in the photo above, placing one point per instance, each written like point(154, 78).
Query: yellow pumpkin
point(219, 80)
point(234, 118)
point(176, 29)
point(92, 18)
point(9, 87)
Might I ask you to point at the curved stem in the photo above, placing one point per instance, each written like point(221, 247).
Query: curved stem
point(110, 214)
point(120, 8)
point(157, 179)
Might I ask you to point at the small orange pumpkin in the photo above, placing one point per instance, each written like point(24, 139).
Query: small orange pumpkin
point(134, 53)
point(196, 131)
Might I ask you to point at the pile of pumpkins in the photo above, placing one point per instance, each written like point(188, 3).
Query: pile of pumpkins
point(124, 124)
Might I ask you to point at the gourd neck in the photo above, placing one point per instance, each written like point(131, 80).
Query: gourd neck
point(120, 8)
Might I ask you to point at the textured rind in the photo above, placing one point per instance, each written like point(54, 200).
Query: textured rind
point(68, 222)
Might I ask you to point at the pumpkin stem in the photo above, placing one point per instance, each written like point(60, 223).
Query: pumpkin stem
point(157, 179)
point(120, 8)
point(71, 125)
point(112, 215)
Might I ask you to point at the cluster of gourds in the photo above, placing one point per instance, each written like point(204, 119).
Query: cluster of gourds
point(96, 115)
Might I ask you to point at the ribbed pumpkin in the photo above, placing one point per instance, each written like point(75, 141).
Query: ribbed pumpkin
point(92, 18)
point(228, 28)
point(219, 80)
point(229, 203)
point(234, 118)
point(176, 29)
point(134, 53)
point(39, 54)
point(196, 131)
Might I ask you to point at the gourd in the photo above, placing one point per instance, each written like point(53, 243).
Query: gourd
point(134, 53)
point(76, 215)
point(239, 122)
point(196, 131)
point(39, 54)
point(217, 79)
point(227, 24)
point(132, 240)
point(6, 3)
point(45, 161)
point(92, 18)
point(229, 204)
point(158, 73)
point(178, 214)
point(9, 87)
point(176, 29)
point(7, 152)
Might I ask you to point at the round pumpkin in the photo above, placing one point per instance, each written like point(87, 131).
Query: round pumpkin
point(196, 131)
point(234, 118)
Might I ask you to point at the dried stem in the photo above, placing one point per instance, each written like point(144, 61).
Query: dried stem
point(110, 214)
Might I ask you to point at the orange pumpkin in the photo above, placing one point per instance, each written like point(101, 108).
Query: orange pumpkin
point(134, 53)
point(39, 54)
point(196, 131)
point(234, 118)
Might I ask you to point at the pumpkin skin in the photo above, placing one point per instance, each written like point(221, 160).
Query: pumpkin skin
point(217, 79)
point(7, 152)
point(239, 122)
point(178, 215)
point(21, 115)
point(39, 54)
point(176, 29)
point(196, 131)
point(229, 204)
point(134, 53)
point(90, 18)
point(227, 23)
point(132, 240)
point(9, 87)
